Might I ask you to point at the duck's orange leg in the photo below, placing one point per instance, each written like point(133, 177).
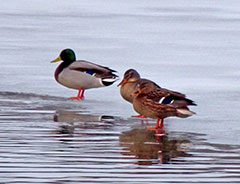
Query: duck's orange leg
point(80, 95)
point(159, 125)
point(139, 116)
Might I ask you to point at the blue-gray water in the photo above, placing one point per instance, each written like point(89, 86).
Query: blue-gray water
point(184, 45)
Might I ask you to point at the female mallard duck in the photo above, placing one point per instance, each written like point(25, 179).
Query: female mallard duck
point(81, 74)
point(159, 103)
point(130, 80)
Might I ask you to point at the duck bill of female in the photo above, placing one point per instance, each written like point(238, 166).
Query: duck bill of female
point(56, 60)
point(124, 81)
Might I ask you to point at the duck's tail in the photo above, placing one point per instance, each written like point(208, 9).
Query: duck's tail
point(184, 112)
point(107, 81)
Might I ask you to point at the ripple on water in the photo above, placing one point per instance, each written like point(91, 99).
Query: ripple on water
point(42, 145)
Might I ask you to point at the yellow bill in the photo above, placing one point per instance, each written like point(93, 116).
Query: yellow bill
point(56, 60)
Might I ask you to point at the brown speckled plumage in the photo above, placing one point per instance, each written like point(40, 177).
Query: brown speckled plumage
point(159, 103)
point(130, 80)
point(149, 108)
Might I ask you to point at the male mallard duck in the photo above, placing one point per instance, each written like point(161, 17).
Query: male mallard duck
point(81, 74)
point(159, 103)
point(130, 80)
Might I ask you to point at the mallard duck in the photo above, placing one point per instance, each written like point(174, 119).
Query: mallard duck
point(130, 79)
point(159, 103)
point(80, 74)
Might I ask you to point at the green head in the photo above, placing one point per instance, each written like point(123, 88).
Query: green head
point(67, 55)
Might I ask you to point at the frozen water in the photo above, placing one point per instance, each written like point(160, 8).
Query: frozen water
point(184, 45)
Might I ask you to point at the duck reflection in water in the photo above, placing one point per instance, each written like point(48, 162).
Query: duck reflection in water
point(76, 116)
point(80, 120)
point(150, 147)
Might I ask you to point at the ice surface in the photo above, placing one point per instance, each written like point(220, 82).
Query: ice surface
point(184, 45)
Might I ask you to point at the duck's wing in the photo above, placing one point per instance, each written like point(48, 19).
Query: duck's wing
point(154, 85)
point(92, 69)
point(166, 96)
point(166, 92)
point(165, 110)
point(159, 108)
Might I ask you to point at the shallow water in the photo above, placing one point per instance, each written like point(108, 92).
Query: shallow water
point(182, 45)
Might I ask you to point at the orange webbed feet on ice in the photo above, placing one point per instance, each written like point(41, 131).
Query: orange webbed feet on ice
point(80, 95)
